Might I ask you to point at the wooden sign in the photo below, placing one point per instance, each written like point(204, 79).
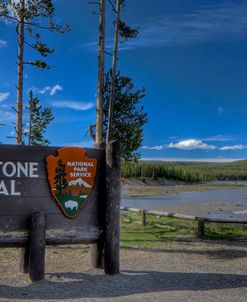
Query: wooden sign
point(25, 188)
point(52, 196)
point(71, 177)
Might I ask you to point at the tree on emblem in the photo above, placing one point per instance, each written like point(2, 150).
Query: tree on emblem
point(60, 177)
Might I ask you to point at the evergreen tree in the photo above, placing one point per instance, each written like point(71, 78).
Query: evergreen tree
point(129, 116)
point(60, 177)
point(39, 120)
point(28, 16)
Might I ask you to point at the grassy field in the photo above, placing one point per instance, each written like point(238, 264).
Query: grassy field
point(160, 231)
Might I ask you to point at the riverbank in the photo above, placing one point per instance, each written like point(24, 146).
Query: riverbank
point(136, 187)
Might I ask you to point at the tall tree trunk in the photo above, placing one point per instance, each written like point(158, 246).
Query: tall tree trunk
point(113, 75)
point(30, 118)
point(20, 75)
point(30, 128)
point(100, 89)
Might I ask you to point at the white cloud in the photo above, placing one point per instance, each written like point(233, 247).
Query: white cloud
point(47, 89)
point(40, 91)
point(186, 144)
point(4, 96)
point(197, 144)
point(55, 89)
point(233, 148)
point(204, 22)
point(158, 148)
point(191, 144)
point(220, 138)
point(82, 106)
point(3, 43)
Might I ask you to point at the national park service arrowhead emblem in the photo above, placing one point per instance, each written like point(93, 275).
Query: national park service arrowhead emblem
point(71, 177)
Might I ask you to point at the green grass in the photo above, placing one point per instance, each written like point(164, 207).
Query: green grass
point(159, 231)
point(225, 231)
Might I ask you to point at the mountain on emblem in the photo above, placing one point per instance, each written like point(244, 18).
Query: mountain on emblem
point(71, 177)
point(79, 182)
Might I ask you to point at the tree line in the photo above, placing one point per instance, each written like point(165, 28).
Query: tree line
point(187, 172)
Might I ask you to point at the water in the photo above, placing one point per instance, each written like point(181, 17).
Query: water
point(227, 203)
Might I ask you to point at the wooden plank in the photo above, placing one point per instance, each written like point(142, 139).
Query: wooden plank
point(37, 247)
point(186, 217)
point(86, 235)
point(14, 223)
point(218, 220)
point(160, 213)
point(30, 154)
point(113, 187)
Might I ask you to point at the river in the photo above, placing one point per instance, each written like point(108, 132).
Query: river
point(227, 203)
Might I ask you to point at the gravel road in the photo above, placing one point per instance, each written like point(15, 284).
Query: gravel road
point(184, 270)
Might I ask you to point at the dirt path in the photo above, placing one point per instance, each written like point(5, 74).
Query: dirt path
point(188, 270)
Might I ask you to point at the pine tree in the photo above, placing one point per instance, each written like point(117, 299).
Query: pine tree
point(129, 116)
point(60, 177)
point(27, 15)
point(39, 120)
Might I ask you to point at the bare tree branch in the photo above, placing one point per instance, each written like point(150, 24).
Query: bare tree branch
point(108, 53)
point(12, 18)
point(112, 4)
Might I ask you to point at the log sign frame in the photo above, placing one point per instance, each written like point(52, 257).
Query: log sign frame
point(42, 192)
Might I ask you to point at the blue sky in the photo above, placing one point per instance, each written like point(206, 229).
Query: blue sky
point(190, 56)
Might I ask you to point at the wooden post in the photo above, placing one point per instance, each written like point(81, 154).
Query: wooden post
point(113, 187)
point(24, 259)
point(144, 217)
point(201, 227)
point(97, 249)
point(97, 254)
point(37, 247)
